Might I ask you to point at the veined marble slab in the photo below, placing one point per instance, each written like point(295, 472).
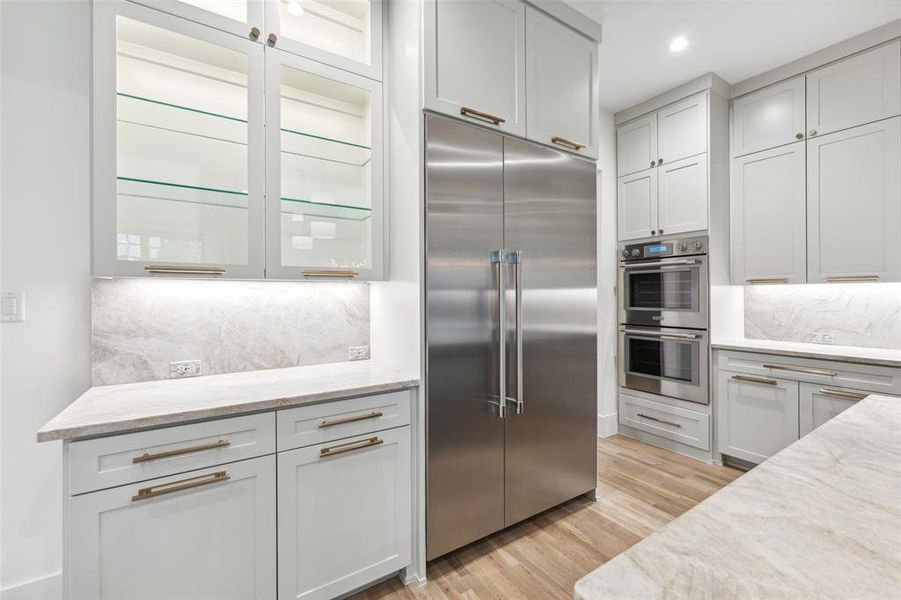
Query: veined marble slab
point(121, 408)
point(821, 519)
point(852, 354)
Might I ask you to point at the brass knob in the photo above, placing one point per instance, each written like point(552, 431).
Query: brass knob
point(254, 33)
point(813, 132)
point(654, 232)
point(799, 136)
point(272, 38)
point(660, 232)
point(659, 161)
point(653, 163)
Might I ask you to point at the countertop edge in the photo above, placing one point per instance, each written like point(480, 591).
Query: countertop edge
point(813, 354)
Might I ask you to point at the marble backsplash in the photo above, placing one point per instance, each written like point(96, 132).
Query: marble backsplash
point(141, 325)
point(867, 315)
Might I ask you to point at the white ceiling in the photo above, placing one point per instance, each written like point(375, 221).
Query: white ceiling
point(735, 39)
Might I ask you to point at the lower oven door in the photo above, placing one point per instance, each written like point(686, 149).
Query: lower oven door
point(669, 362)
point(670, 292)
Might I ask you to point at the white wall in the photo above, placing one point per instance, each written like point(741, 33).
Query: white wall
point(607, 265)
point(45, 251)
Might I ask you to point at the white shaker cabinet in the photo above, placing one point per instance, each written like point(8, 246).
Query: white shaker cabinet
point(854, 204)
point(860, 89)
point(768, 217)
point(682, 195)
point(243, 18)
point(637, 205)
point(636, 145)
point(206, 534)
point(682, 130)
point(561, 85)
point(475, 61)
point(818, 404)
point(771, 117)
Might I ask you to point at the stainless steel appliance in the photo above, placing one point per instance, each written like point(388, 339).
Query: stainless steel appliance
point(666, 361)
point(511, 373)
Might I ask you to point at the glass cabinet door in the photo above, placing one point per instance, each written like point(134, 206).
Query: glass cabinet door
point(343, 33)
point(324, 213)
point(178, 147)
point(240, 17)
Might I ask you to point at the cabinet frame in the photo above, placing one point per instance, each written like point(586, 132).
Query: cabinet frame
point(797, 88)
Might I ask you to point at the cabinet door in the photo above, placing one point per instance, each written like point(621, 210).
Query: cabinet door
point(756, 416)
point(207, 534)
point(636, 145)
point(682, 129)
point(324, 171)
point(345, 34)
point(818, 404)
point(854, 204)
point(637, 205)
point(858, 90)
point(475, 61)
point(771, 117)
point(682, 195)
point(768, 214)
point(561, 79)
point(239, 17)
point(343, 514)
point(178, 146)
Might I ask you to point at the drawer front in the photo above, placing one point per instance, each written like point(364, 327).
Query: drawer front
point(868, 378)
point(117, 460)
point(320, 423)
point(673, 423)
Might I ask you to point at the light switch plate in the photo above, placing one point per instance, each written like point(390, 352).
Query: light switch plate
point(824, 338)
point(13, 306)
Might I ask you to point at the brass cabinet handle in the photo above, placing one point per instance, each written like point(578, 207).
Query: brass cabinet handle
point(813, 132)
point(477, 114)
point(272, 39)
point(659, 420)
point(342, 448)
point(843, 394)
point(353, 419)
point(756, 280)
point(850, 278)
point(179, 486)
point(255, 33)
point(799, 136)
point(146, 457)
point(568, 143)
point(806, 370)
point(171, 270)
point(329, 273)
point(749, 379)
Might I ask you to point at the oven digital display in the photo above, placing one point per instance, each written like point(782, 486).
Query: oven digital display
point(658, 249)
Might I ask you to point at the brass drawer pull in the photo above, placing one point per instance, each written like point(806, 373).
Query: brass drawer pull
point(644, 416)
point(477, 114)
point(179, 486)
point(805, 370)
point(749, 379)
point(843, 394)
point(756, 280)
point(342, 421)
point(850, 278)
point(568, 143)
point(341, 449)
point(329, 273)
point(167, 270)
point(148, 457)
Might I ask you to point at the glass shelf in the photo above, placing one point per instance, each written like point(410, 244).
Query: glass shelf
point(177, 192)
point(309, 208)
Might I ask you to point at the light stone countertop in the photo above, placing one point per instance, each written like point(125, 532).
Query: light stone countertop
point(112, 409)
point(821, 519)
point(852, 354)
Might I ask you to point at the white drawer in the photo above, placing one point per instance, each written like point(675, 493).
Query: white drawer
point(116, 460)
point(319, 423)
point(673, 423)
point(869, 378)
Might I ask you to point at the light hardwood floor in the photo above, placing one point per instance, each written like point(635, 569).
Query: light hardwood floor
point(641, 488)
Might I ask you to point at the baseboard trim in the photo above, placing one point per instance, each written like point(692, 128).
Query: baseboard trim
point(608, 425)
point(49, 587)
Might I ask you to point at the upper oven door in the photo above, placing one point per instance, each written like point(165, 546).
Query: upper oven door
point(670, 292)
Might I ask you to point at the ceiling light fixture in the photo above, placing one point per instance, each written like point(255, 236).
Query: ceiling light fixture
point(294, 8)
point(677, 45)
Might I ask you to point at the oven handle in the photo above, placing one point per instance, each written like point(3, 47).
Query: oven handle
point(663, 334)
point(663, 263)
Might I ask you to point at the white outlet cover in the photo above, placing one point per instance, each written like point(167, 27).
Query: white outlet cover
point(184, 368)
point(824, 338)
point(13, 306)
point(358, 353)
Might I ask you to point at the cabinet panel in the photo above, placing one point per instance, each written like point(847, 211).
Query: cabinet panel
point(637, 205)
point(475, 60)
point(214, 538)
point(636, 145)
point(858, 90)
point(854, 204)
point(343, 514)
point(561, 85)
point(771, 117)
point(682, 129)
point(756, 416)
point(233, 16)
point(768, 213)
point(682, 195)
point(818, 404)
point(671, 422)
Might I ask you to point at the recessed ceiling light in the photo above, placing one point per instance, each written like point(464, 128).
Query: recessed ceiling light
point(677, 45)
point(294, 8)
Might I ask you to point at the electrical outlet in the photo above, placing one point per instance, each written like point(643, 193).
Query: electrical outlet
point(824, 338)
point(358, 353)
point(184, 368)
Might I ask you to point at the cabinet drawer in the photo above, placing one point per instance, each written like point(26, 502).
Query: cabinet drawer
point(868, 378)
point(121, 459)
point(319, 423)
point(673, 423)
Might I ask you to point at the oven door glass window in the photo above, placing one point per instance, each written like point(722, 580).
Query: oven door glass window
point(663, 289)
point(673, 360)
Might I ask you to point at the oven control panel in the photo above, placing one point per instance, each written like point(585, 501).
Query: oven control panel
point(676, 247)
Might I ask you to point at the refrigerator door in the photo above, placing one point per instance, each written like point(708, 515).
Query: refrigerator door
point(550, 218)
point(464, 226)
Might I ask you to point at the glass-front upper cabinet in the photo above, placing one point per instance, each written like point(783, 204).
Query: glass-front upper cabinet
point(178, 147)
point(324, 199)
point(240, 17)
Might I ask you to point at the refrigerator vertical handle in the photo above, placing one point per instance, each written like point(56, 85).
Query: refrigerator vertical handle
point(515, 259)
point(498, 259)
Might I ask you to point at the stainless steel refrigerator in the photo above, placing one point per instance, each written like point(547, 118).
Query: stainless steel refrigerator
point(511, 366)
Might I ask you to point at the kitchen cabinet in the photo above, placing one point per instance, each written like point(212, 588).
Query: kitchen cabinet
point(208, 533)
point(768, 217)
point(854, 204)
point(771, 117)
point(682, 130)
point(818, 404)
point(475, 62)
point(636, 145)
point(243, 18)
point(682, 195)
point(561, 85)
point(637, 205)
point(863, 88)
